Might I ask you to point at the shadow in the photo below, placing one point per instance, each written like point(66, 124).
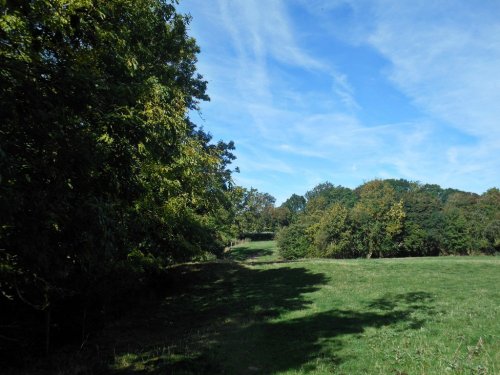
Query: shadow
point(205, 304)
point(416, 300)
point(289, 345)
point(415, 306)
point(224, 318)
point(243, 253)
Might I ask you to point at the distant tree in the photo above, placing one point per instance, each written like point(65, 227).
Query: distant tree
point(488, 208)
point(402, 186)
point(423, 223)
point(456, 233)
point(438, 192)
point(492, 235)
point(333, 235)
point(296, 203)
point(290, 210)
point(379, 217)
point(282, 216)
point(254, 211)
point(325, 194)
point(396, 218)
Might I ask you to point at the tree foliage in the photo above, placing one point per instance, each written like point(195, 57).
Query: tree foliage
point(394, 218)
point(102, 174)
point(255, 212)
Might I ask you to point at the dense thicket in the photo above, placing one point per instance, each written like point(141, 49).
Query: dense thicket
point(392, 218)
point(102, 174)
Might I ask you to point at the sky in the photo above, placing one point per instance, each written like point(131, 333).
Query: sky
point(347, 91)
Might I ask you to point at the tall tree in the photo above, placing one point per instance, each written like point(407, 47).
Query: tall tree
point(325, 194)
point(379, 217)
point(255, 211)
point(98, 158)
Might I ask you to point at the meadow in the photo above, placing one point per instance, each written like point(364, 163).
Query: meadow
point(254, 313)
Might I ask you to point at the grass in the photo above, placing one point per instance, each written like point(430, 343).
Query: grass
point(249, 252)
point(254, 314)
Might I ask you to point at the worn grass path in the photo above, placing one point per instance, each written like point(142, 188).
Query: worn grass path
point(252, 314)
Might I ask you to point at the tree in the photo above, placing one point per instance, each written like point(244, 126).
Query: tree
point(423, 223)
point(289, 210)
point(395, 218)
point(296, 204)
point(456, 236)
point(379, 218)
point(325, 194)
point(488, 212)
point(333, 235)
point(254, 211)
point(100, 165)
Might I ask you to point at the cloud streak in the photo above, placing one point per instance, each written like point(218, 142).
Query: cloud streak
point(446, 58)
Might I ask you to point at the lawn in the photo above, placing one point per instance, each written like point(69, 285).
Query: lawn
point(255, 314)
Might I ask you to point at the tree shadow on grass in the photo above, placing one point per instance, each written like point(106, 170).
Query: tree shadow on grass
point(243, 253)
point(417, 305)
point(205, 303)
point(225, 318)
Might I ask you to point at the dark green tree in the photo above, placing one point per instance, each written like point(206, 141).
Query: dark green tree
point(101, 171)
point(293, 241)
point(296, 204)
point(423, 223)
point(325, 194)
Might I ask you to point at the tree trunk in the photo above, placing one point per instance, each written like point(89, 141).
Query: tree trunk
point(47, 310)
point(84, 325)
point(47, 330)
point(370, 249)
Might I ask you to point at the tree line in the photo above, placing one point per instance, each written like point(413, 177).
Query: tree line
point(391, 218)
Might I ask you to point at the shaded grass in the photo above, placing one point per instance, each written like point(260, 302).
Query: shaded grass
point(258, 315)
point(252, 252)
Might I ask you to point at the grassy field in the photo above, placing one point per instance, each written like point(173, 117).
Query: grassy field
point(254, 314)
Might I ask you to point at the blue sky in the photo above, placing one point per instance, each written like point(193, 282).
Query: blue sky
point(347, 91)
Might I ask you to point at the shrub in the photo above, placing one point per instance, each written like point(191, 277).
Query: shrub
point(293, 242)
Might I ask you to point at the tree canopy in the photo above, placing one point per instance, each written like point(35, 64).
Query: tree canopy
point(102, 173)
point(392, 218)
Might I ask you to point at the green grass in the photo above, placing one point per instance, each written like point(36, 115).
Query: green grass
point(250, 252)
point(252, 314)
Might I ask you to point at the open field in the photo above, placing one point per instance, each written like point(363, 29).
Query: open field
point(393, 316)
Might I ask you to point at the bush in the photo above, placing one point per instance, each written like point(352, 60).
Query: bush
point(293, 242)
point(257, 236)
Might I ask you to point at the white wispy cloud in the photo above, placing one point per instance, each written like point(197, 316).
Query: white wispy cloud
point(260, 34)
point(445, 56)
